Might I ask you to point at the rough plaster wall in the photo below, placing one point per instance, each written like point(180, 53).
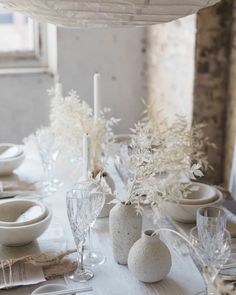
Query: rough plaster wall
point(231, 109)
point(118, 54)
point(210, 97)
point(23, 105)
point(170, 67)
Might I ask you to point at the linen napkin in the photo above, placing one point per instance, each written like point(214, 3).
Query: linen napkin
point(46, 258)
point(33, 269)
point(16, 187)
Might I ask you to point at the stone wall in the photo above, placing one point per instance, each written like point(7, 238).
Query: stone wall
point(211, 79)
point(231, 106)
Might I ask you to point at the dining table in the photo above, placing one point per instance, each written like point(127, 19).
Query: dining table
point(109, 278)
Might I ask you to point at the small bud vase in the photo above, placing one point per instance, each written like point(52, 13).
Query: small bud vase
point(125, 230)
point(108, 197)
point(149, 259)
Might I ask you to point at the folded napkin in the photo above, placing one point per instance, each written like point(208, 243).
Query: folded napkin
point(16, 185)
point(13, 188)
point(11, 152)
point(50, 264)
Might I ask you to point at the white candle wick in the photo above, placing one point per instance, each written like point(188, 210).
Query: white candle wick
point(86, 155)
point(97, 96)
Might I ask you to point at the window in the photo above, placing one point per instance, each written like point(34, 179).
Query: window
point(22, 41)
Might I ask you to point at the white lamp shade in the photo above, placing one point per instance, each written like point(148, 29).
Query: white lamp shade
point(102, 13)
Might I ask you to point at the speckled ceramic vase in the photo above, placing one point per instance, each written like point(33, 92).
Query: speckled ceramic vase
point(125, 230)
point(109, 197)
point(149, 259)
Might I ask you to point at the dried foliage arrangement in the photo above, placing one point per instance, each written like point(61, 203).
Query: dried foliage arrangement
point(71, 117)
point(164, 158)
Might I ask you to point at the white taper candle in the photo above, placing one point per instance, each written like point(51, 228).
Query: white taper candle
point(86, 155)
point(58, 90)
point(97, 95)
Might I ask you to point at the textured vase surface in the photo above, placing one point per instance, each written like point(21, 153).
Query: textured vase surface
point(149, 259)
point(125, 230)
point(108, 197)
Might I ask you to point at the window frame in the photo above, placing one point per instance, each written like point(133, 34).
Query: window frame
point(35, 59)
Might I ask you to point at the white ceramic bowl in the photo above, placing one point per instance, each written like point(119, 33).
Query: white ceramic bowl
point(10, 210)
point(49, 288)
point(204, 195)
point(23, 235)
point(187, 213)
point(8, 165)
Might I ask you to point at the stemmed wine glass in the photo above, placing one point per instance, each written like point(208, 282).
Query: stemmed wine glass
point(214, 253)
point(211, 222)
point(84, 204)
point(121, 157)
point(93, 257)
point(212, 241)
point(49, 152)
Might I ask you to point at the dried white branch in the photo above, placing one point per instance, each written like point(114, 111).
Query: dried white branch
point(71, 117)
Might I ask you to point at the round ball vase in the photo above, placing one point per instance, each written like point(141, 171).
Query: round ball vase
point(125, 230)
point(108, 197)
point(149, 259)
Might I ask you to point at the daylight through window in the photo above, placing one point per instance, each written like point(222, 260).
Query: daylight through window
point(16, 32)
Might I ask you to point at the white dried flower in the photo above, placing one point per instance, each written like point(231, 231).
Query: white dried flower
point(161, 157)
point(71, 117)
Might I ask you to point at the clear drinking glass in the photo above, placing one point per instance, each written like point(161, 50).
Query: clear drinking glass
point(214, 253)
point(211, 222)
point(49, 153)
point(92, 257)
point(121, 157)
point(83, 206)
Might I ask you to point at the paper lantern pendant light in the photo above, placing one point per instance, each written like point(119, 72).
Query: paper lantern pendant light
point(106, 13)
